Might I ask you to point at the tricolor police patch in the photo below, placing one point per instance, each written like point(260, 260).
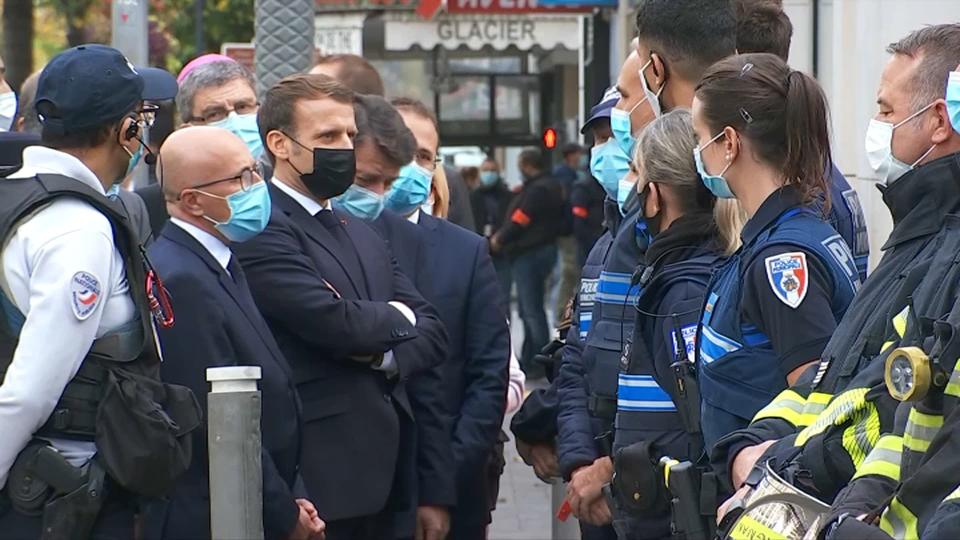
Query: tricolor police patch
point(84, 294)
point(787, 273)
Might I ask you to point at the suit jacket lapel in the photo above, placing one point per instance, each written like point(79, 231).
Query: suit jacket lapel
point(244, 302)
point(316, 231)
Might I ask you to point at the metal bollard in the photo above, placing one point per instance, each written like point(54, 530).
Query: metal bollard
point(561, 530)
point(233, 443)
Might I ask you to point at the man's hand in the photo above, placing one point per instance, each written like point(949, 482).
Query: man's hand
point(542, 457)
point(586, 484)
point(495, 244)
point(433, 523)
point(745, 460)
point(738, 496)
point(309, 525)
point(598, 513)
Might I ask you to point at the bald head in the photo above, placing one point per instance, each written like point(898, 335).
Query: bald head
point(200, 154)
point(200, 167)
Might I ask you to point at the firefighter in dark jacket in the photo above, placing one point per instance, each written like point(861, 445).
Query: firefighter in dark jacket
point(529, 239)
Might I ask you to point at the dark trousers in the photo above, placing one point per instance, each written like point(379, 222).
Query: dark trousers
point(530, 272)
point(115, 522)
point(375, 527)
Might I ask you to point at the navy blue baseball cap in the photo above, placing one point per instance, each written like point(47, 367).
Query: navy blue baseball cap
point(602, 109)
point(92, 85)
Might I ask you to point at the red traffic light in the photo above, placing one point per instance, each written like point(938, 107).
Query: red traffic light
point(549, 138)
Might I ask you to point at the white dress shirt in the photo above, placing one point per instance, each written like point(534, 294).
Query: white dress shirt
point(214, 246)
point(389, 363)
point(64, 274)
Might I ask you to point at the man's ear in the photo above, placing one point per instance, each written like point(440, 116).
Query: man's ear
point(943, 129)
point(653, 204)
point(278, 145)
point(659, 70)
point(189, 202)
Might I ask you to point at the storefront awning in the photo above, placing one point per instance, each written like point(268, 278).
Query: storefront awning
point(405, 31)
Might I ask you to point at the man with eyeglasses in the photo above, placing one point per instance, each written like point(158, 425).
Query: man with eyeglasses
point(75, 313)
point(216, 197)
point(214, 91)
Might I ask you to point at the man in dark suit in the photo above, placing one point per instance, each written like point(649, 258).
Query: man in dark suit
point(209, 175)
point(458, 277)
point(352, 326)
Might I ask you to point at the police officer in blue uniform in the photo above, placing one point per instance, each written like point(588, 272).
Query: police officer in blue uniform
point(588, 370)
point(764, 27)
point(771, 308)
point(686, 244)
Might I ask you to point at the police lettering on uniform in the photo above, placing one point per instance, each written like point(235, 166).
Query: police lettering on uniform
point(79, 351)
point(686, 245)
point(773, 306)
point(823, 431)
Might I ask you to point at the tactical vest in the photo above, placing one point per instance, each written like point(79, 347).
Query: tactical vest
point(612, 322)
point(736, 361)
point(140, 425)
point(645, 402)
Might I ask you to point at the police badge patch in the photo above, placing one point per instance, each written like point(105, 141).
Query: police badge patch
point(787, 274)
point(84, 294)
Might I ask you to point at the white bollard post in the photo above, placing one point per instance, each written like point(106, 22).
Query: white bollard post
point(234, 445)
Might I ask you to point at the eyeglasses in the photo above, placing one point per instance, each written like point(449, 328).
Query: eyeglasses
point(248, 178)
point(211, 116)
point(148, 114)
point(427, 160)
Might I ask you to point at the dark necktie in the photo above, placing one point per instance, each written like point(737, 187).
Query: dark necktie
point(243, 290)
point(348, 255)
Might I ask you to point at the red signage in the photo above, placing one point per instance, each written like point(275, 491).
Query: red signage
point(510, 6)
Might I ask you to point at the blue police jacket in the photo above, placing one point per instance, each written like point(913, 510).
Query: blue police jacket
point(737, 362)
point(846, 216)
point(588, 374)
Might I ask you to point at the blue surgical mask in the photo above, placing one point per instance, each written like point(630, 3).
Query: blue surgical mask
point(360, 203)
point(245, 127)
point(132, 163)
point(409, 190)
point(249, 213)
point(624, 189)
point(114, 191)
point(489, 178)
point(622, 129)
point(716, 183)
point(953, 100)
point(608, 164)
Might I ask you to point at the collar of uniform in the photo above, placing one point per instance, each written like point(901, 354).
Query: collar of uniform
point(414, 217)
point(611, 214)
point(920, 199)
point(43, 160)
point(311, 206)
point(211, 243)
point(776, 204)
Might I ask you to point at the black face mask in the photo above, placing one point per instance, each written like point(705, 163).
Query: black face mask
point(333, 171)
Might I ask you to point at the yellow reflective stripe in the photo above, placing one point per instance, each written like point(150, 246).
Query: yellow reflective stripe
point(748, 528)
point(816, 403)
point(788, 405)
point(863, 433)
point(899, 522)
point(954, 495)
point(837, 413)
point(900, 321)
point(920, 430)
point(953, 387)
point(884, 459)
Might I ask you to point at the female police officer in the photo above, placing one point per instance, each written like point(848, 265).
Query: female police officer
point(687, 243)
point(772, 307)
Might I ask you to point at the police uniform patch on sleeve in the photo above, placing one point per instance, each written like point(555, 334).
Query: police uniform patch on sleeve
point(84, 294)
point(689, 335)
point(788, 278)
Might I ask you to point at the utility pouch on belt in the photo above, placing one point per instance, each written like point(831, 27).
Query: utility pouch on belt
point(637, 481)
point(685, 482)
point(776, 510)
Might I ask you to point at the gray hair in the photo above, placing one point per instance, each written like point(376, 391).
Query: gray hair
point(209, 75)
point(664, 154)
point(25, 101)
point(938, 46)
